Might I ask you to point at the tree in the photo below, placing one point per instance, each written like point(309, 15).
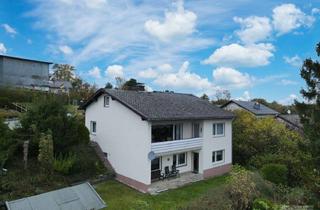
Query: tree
point(6, 144)
point(51, 114)
point(222, 97)
point(260, 141)
point(132, 84)
point(205, 97)
point(119, 82)
point(45, 156)
point(310, 112)
point(63, 72)
point(108, 85)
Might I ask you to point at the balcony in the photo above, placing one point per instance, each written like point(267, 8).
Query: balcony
point(167, 147)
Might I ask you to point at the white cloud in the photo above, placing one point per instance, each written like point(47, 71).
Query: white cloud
point(239, 55)
point(183, 79)
point(95, 72)
point(253, 28)
point(231, 78)
point(9, 29)
point(165, 67)
point(293, 61)
point(148, 74)
point(245, 97)
point(179, 23)
point(288, 82)
point(65, 49)
point(3, 49)
point(315, 11)
point(288, 17)
point(114, 71)
point(288, 100)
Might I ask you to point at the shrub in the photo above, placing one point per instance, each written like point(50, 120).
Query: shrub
point(51, 114)
point(263, 204)
point(242, 189)
point(276, 173)
point(64, 164)
point(45, 156)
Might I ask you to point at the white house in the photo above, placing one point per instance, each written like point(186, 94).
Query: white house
point(144, 133)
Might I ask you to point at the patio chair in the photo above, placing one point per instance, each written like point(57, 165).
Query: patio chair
point(166, 173)
point(174, 171)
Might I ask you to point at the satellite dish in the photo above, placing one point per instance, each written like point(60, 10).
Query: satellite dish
point(151, 155)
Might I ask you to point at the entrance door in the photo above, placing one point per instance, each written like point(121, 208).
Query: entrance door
point(195, 162)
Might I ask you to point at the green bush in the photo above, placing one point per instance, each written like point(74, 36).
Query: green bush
point(241, 189)
point(64, 164)
point(263, 204)
point(45, 156)
point(51, 114)
point(276, 173)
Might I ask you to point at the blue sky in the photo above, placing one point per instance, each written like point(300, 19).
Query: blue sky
point(252, 48)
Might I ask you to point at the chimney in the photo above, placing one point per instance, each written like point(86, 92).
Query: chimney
point(256, 105)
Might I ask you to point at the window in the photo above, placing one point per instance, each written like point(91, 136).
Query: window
point(218, 129)
point(180, 159)
point(218, 156)
point(178, 131)
point(195, 130)
point(162, 133)
point(93, 127)
point(106, 101)
point(155, 164)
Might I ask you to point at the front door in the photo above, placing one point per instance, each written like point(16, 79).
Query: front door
point(195, 162)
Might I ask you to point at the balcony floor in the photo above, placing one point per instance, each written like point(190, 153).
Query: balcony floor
point(172, 183)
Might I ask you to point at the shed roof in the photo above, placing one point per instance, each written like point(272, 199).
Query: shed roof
point(78, 197)
point(24, 59)
point(250, 106)
point(159, 106)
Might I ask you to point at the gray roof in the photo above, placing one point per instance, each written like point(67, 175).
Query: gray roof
point(250, 106)
point(293, 119)
point(78, 197)
point(156, 106)
point(25, 59)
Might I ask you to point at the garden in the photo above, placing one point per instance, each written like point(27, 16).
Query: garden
point(48, 151)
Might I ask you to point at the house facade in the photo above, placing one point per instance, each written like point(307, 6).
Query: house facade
point(143, 133)
point(26, 73)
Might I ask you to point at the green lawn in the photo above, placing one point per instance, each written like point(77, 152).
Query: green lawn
point(119, 196)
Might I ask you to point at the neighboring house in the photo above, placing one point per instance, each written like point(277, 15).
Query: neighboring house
point(259, 110)
point(25, 73)
point(60, 86)
point(79, 197)
point(142, 133)
point(292, 121)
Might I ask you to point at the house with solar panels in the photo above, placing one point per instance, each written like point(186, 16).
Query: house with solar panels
point(255, 108)
point(151, 138)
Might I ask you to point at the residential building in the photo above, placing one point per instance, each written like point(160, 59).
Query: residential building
point(257, 109)
point(292, 121)
point(144, 133)
point(22, 72)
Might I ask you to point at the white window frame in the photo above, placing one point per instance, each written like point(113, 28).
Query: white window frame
point(214, 153)
point(177, 159)
point(104, 101)
point(215, 129)
point(91, 127)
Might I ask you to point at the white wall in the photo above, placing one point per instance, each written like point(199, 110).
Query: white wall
point(124, 136)
point(212, 143)
point(233, 106)
point(167, 160)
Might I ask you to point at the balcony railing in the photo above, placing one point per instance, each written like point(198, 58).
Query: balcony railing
point(167, 147)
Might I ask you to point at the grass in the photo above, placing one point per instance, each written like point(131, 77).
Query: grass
point(119, 196)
